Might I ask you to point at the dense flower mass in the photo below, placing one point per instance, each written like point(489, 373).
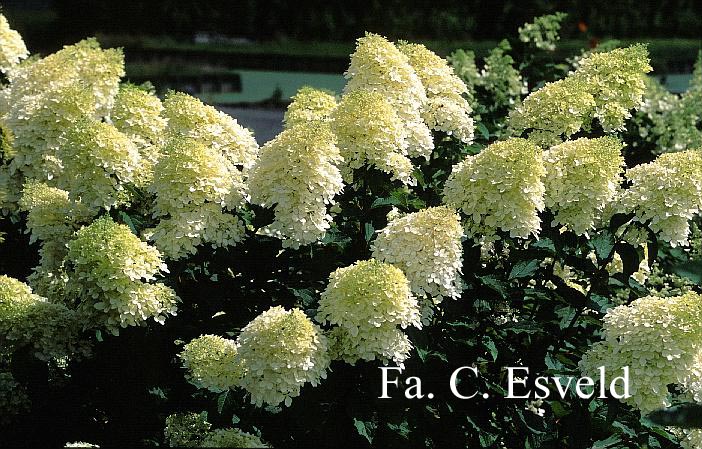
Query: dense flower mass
point(666, 194)
point(97, 161)
point(232, 438)
point(12, 50)
point(190, 118)
point(659, 339)
point(369, 132)
point(194, 184)
point(137, 113)
point(297, 176)
point(28, 319)
point(211, 363)
point(111, 269)
point(606, 86)
point(309, 104)
point(379, 66)
point(186, 429)
point(48, 96)
point(446, 109)
point(582, 177)
point(426, 246)
point(367, 301)
point(501, 188)
point(281, 350)
point(543, 31)
point(500, 78)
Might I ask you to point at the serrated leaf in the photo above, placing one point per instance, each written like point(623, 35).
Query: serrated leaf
point(544, 244)
point(495, 284)
point(523, 269)
point(603, 244)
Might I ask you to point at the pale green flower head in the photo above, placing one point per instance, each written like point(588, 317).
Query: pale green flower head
point(385, 343)
point(666, 193)
point(282, 350)
point(211, 363)
point(378, 65)
point(297, 176)
point(659, 339)
point(110, 271)
point(308, 105)
point(98, 161)
point(190, 118)
point(232, 438)
point(582, 178)
point(499, 189)
point(369, 132)
point(500, 79)
point(426, 246)
point(543, 31)
point(12, 48)
point(366, 295)
point(185, 429)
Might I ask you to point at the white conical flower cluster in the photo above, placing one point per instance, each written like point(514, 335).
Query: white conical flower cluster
point(308, 105)
point(12, 48)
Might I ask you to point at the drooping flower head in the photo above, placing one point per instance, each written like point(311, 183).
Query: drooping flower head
point(659, 339)
point(426, 246)
point(309, 104)
point(369, 132)
point(297, 176)
point(282, 350)
point(666, 194)
point(211, 363)
point(501, 188)
point(582, 178)
point(12, 48)
point(110, 274)
point(379, 66)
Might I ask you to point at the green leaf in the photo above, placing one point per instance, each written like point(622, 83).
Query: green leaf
point(603, 244)
point(490, 346)
point(688, 416)
point(609, 442)
point(222, 401)
point(483, 131)
point(98, 335)
point(402, 429)
point(381, 202)
point(566, 315)
point(600, 303)
point(524, 269)
point(365, 429)
point(544, 244)
point(368, 231)
point(235, 419)
point(492, 282)
point(690, 270)
point(128, 221)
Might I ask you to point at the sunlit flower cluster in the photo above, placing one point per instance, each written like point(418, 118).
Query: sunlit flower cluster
point(309, 104)
point(369, 132)
point(368, 301)
point(193, 430)
point(190, 118)
point(543, 31)
point(211, 363)
point(501, 188)
point(659, 339)
point(426, 246)
point(97, 161)
point(582, 177)
point(48, 96)
point(666, 194)
point(297, 176)
point(232, 438)
point(379, 66)
point(194, 184)
point(606, 86)
point(446, 109)
point(500, 78)
point(110, 273)
point(281, 351)
point(12, 48)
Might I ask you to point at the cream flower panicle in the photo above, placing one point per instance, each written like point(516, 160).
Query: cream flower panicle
point(446, 110)
point(659, 339)
point(297, 176)
point(582, 178)
point(378, 65)
point(369, 132)
point(309, 104)
point(426, 246)
point(12, 48)
point(666, 194)
point(501, 188)
point(281, 350)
